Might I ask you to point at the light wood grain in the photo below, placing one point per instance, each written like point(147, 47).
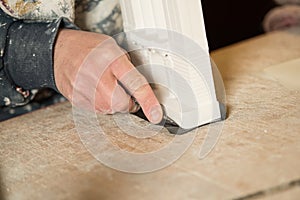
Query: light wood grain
point(42, 157)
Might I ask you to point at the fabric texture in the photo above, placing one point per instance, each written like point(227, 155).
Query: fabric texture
point(29, 53)
point(27, 57)
point(9, 94)
point(101, 16)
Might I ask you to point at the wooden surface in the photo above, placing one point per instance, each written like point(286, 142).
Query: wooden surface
point(257, 155)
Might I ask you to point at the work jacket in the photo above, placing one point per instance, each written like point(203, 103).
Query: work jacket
point(28, 29)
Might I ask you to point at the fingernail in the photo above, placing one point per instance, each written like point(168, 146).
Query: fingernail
point(156, 114)
point(135, 108)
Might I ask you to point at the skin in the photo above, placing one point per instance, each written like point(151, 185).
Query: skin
point(89, 69)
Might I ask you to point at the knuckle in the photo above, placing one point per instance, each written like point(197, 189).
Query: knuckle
point(104, 108)
point(135, 82)
point(121, 106)
point(107, 111)
point(117, 62)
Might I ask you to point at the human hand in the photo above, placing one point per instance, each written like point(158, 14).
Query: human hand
point(88, 68)
point(282, 17)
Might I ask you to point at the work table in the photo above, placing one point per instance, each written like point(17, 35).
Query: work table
point(257, 155)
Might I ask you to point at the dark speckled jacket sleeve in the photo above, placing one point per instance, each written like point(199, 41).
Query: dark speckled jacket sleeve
point(26, 57)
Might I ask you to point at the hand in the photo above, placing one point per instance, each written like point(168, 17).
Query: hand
point(89, 69)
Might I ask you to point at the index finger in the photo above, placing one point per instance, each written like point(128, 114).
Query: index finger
point(138, 87)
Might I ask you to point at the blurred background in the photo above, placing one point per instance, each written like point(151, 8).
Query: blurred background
point(230, 21)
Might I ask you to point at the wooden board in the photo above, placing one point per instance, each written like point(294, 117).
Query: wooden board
point(42, 157)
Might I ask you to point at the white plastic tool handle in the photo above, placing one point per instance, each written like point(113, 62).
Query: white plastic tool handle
point(185, 89)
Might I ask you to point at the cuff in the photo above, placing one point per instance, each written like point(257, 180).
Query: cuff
point(28, 59)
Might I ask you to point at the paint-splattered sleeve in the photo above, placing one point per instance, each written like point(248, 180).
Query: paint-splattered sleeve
point(26, 53)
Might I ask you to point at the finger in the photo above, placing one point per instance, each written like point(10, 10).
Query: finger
point(112, 98)
point(137, 86)
point(126, 54)
point(134, 107)
point(122, 102)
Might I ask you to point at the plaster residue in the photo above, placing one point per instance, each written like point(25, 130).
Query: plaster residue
point(24, 7)
point(38, 9)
